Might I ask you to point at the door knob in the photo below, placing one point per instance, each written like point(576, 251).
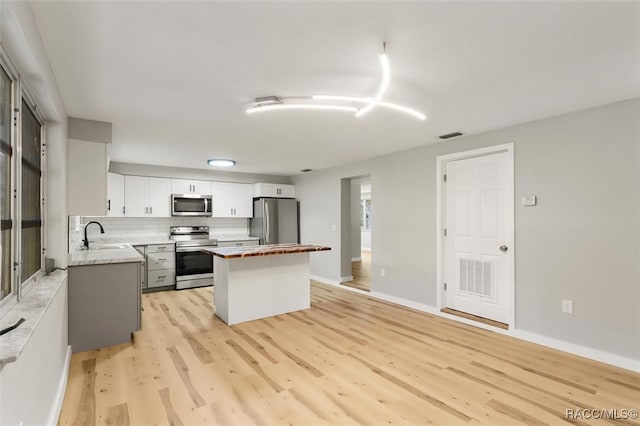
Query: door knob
point(504, 249)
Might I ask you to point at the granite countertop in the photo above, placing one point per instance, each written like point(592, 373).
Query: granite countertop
point(134, 240)
point(118, 253)
point(265, 250)
point(34, 303)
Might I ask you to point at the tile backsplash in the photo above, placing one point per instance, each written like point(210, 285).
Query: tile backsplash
point(118, 229)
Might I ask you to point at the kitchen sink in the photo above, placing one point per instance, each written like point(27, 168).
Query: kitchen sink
point(109, 246)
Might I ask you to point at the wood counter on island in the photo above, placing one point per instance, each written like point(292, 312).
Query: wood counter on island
point(254, 282)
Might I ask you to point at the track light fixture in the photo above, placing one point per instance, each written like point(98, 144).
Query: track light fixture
point(358, 105)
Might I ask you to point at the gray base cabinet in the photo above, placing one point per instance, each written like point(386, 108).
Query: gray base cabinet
point(104, 304)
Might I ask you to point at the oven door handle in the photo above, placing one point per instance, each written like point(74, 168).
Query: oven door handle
point(192, 249)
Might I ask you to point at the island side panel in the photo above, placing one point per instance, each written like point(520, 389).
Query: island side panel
point(221, 288)
point(250, 288)
point(290, 282)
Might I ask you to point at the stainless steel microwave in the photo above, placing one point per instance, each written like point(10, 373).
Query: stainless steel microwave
point(191, 205)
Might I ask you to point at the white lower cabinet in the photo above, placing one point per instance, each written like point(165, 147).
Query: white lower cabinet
point(162, 278)
point(164, 260)
point(232, 199)
point(161, 265)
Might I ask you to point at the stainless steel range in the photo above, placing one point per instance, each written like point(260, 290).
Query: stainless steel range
point(193, 267)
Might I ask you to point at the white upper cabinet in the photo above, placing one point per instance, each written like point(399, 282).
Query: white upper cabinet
point(232, 199)
point(115, 195)
point(185, 186)
point(222, 201)
point(147, 196)
point(135, 196)
point(274, 190)
point(243, 199)
point(159, 197)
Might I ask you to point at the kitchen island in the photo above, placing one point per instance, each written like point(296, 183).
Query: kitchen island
point(256, 282)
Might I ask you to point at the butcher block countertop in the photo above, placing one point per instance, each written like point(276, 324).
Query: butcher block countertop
point(264, 250)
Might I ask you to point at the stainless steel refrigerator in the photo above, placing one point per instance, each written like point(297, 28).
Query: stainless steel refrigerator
point(275, 220)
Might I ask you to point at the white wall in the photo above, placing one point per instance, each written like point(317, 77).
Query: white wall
point(365, 240)
point(20, 36)
point(355, 221)
point(29, 386)
point(582, 242)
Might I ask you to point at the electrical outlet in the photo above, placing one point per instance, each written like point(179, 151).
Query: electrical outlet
point(529, 200)
point(567, 306)
point(383, 272)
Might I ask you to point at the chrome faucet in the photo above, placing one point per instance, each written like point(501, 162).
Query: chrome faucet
point(86, 239)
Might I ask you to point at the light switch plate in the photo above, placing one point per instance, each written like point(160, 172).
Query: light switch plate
point(567, 306)
point(529, 200)
point(334, 228)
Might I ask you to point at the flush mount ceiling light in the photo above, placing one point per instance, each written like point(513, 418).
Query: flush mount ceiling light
point(221, 163)
point(364, 104)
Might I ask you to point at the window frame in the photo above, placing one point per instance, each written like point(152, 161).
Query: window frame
point(30, 100)
point(18, 93)
point(10, 70)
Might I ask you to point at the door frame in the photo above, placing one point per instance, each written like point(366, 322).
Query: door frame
point(441, 162)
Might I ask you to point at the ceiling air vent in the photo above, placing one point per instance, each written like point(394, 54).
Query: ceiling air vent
point(450, 135)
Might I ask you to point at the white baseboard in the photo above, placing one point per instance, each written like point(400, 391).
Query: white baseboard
point(345, 279)
point(356, 259)
point(583, 351)
point(325, 280)
point(333, 283)
point(56, 407)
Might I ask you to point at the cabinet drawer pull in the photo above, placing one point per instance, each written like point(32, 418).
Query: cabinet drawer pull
point(162, 277)
point(162, 260)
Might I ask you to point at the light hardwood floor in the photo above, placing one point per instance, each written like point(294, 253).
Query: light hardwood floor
point(350, 359)
point(361, 271)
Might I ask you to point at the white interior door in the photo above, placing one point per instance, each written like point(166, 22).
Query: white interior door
point(478, 245)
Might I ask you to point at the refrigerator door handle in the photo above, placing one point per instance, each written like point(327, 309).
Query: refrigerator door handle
point(267, 238)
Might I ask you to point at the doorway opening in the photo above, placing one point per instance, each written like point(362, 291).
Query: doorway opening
point(475, 220)
point(357, 210)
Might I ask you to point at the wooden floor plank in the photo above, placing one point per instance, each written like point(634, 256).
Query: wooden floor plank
point(350, 359)
point(361, 272)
